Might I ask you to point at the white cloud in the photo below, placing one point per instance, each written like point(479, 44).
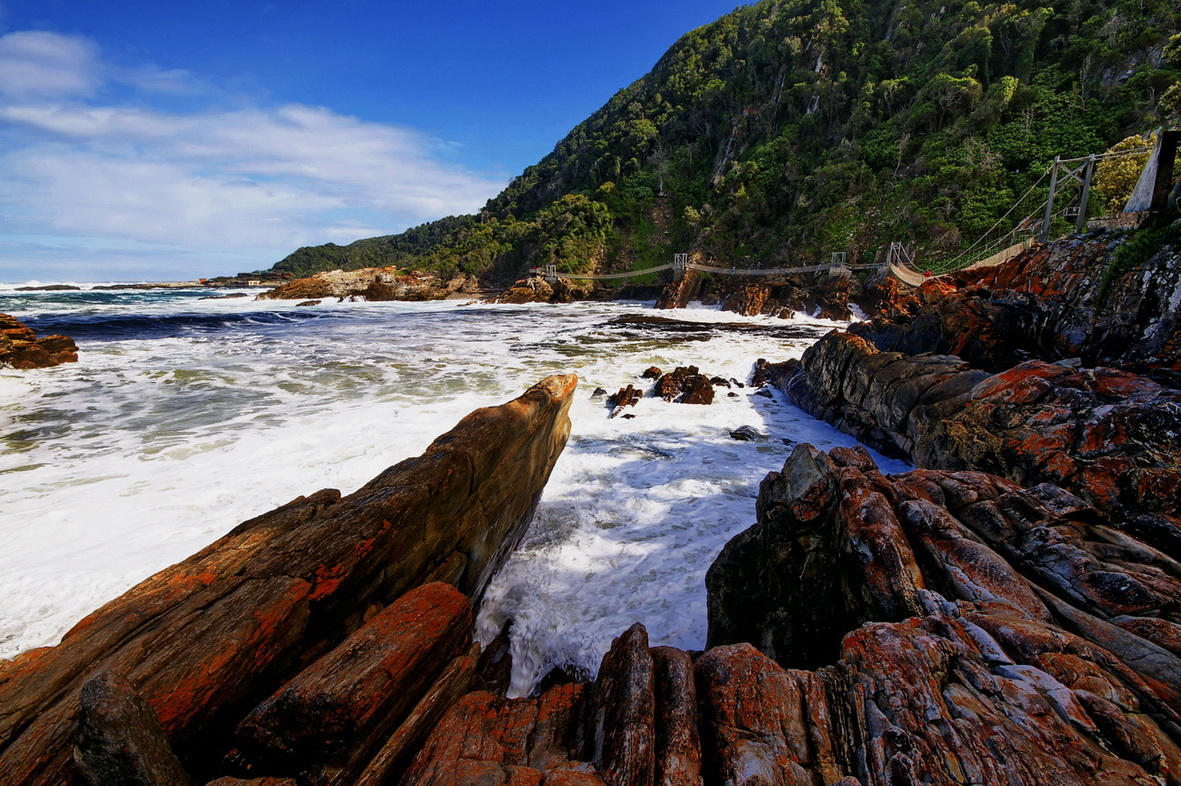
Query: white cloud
point(35, 64)
point(247, 183)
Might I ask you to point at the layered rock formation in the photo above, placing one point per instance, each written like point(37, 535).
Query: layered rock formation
point(535, 289)
point(1013, 636)
point(825, 297)
point(1110, 436)
point(375, 283)
point(20, 347)
point(933, 627)
point(1074, 298)
point(313, 605)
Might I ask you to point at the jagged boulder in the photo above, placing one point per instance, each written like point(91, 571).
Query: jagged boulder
point(1112, 437)
point(685, 385)
point(1067, 299)
point(536, 289)
point(20, 347)
point(380, 283)
point(972, 627)
point(206, 640)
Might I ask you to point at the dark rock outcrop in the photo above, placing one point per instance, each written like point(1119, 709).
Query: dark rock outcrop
point(625, 397)
point(685, 385)
point(821, 295)
point(932, 627)
point(20, 347)
point(975, 630)
point(120, 739)
point(1111, 437)
point(1066, 299)
point(535, 289)
point(213, 636)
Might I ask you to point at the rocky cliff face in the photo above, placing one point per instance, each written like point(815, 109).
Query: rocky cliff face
point(970, 630)
point(1110, 436)
point(303, 643)
point(934, 627)
point(1009, 613)
point(1073, 298)
point(374, 283)
point(817, 295)
point(20, 347)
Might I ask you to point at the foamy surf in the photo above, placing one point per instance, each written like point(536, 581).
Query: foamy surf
point(185, 417)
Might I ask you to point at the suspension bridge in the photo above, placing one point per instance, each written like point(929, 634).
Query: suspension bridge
point(1066, 199)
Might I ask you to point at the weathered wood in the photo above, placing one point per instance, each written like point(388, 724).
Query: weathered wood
point(210, 637)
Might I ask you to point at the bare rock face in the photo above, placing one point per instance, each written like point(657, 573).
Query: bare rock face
point(749, 295)
point(685, 385)
point(1111, 437)
point(624, 397)
point(933, 627)
point(748, 299)
point(535, 289)
point(120, 739)
point(213, 636)
point(1063, 300)
point(326, 721)
point(373, 283)
point(678, 294)
point(971, 627)
point(20, 347)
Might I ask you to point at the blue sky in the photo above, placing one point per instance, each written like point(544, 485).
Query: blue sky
point(149, 140)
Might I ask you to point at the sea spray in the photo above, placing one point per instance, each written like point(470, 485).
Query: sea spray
point(184, 417)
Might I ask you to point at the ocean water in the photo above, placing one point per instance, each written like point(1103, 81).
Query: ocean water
point(185, 416)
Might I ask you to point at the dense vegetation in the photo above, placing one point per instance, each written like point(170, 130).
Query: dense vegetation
point(791, 128)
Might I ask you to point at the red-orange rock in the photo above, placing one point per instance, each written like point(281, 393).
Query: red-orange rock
point(1004, 668)
point(207, 639)
point(678, 741)
point(486, 738)
point(625, 712)
point(685, 385)
point(334, 712)
point(20, 347)
point(1112, 437)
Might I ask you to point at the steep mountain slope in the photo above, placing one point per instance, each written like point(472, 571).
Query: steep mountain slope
point(791, 128)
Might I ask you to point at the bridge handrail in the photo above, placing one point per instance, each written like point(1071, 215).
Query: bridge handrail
point(627, 274)
point(778, 271)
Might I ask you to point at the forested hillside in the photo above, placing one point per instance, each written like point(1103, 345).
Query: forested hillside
point(791, 128)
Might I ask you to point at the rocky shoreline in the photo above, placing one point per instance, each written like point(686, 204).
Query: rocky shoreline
point(20, 348)
point(1008, 612)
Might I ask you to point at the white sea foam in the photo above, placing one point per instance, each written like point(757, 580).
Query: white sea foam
point(149, 448)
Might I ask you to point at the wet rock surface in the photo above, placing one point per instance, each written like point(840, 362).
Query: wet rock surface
point(1111, 437)
point(312, 605)
point(1008, 614)
point(20, 348)
point(685, 385)
point(818, 295)
point(909, 629)
point(536, 289)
